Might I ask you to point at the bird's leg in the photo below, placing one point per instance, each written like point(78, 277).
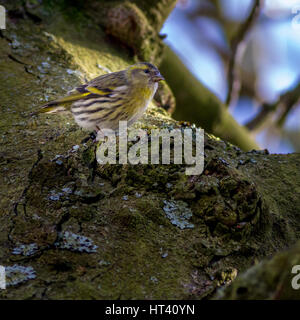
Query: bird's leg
point(98, 129)
point(92, 136)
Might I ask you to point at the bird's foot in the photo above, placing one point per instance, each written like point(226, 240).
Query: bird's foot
point(92, 136)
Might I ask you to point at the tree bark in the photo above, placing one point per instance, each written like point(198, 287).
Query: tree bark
point(272, 279)
point(73, 229)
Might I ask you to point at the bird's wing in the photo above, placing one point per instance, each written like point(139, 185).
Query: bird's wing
point(103, 85)
point(106, 85)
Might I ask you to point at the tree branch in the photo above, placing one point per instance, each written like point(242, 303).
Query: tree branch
point(195, 103)
point(286, 102)
point(238, 46)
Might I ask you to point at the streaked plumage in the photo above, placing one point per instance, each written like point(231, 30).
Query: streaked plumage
point(110, 98)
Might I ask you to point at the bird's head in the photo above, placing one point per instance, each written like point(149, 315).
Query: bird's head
point(143, 73)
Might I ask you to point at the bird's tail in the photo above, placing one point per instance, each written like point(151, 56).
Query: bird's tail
point(51, 107)
point(59, 105)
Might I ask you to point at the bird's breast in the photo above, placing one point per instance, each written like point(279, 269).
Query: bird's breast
point(140, 97)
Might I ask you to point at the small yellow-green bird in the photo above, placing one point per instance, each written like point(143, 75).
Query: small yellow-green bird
point(110, 98)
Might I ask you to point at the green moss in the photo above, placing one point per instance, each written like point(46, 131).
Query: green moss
point(88, 156)
point(270, 279)
point(130, 218)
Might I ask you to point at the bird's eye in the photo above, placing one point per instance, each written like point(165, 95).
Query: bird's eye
point(146, 71)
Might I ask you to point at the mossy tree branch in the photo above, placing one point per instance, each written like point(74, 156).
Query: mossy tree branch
point(73, 229)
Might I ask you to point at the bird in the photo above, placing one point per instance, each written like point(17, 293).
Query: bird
point(104, 101)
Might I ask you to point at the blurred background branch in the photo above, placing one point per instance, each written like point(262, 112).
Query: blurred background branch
point(284, 105)
point(246, 53)
point(238, 47)
point(197, 104)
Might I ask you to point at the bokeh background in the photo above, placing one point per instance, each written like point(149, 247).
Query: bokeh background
point(200, 31)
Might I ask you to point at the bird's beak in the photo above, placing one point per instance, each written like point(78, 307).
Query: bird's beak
point(156, 77)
